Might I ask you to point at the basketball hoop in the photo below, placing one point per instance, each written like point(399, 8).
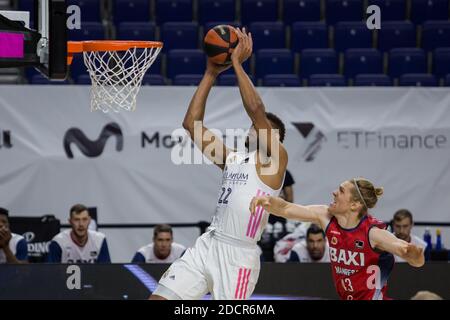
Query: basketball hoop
point(116, 69)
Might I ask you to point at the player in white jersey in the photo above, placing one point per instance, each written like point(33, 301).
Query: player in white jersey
point(162, 249)
point(225, 260)
point(13, 247)
point(79, 244)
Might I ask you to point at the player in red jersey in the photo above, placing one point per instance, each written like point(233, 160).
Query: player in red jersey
point(361, 250)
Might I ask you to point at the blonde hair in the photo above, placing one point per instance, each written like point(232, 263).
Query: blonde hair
point(366, 193)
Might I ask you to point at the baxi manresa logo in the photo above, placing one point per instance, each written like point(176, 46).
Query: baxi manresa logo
point(92, 148)
point(314, 139)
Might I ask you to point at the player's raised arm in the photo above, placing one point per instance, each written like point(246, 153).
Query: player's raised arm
point(317, 214)
point(252, 101)
point(385, 241)
point(193, 120)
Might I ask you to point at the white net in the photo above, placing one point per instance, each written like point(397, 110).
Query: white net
point(117, 76)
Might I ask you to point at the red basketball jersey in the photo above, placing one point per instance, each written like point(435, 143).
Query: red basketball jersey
point(359, 272)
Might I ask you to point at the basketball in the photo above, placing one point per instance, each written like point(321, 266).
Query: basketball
point(219, 43)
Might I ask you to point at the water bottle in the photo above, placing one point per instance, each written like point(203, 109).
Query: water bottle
point(427, 239)
point(438, 239)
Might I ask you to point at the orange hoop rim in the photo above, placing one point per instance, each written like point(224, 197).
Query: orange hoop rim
point(74, 47)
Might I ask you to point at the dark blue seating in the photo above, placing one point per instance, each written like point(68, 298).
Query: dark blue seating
point(318, 61)
point(435, 34)
point(173, 10)
point(406, 60)
point(391, 9)
point(354, 34)
point(344, 10)
point(301, 10)
point(274, 61)
point(216, 10)
point(187, 79)
point(88, 31)
point(153, 80)
point(131, 11)
point(396, 34)
point(327, 80)
point(179, 35)
point(258, 10)
point(372, 80)
point(418, 80)
point(281, 80)
point(362, 61)
point(187, 61)
point(268, 35)
point(422, 10)
point(90, 9)
point(309, 35)
point(441, 62)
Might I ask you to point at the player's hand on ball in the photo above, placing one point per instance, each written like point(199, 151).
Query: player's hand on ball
point(216, 69)
point(244, 48)
point(259, 201)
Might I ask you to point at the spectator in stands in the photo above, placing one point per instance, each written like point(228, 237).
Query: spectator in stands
point(79, 244)
point(402, 225)
point(13, 247)
point(162, 249)
point(314, 250)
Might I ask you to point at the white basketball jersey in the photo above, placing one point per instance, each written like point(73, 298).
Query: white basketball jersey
point(15, 238)
point(240, 183)
point(72, 253)
point(149, 254)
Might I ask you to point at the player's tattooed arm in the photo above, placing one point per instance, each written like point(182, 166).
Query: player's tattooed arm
point(385, 241)
point(204, 139)
point(316, 213)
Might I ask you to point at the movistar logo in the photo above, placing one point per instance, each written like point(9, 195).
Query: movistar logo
point(92, 148)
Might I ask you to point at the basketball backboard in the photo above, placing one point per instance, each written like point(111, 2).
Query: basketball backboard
point(45, 47)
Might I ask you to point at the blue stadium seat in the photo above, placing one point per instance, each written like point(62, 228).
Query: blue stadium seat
point(188, 61)
point(318, 61)
point(216, 10)
point(353, 34)
point(362, 61)
point(435, 34)
point(88, 31)
point(230, 80)
point(83, 79)
point(179, 35)
point(268, 35)
point(371, 80)
point(258, 10)
point(209, 25)
point(173, 10)
point(281, 80)
point(90, 9)
point(40, 79)
point(344, 10)
point(136, 31)
point(406, 60)
point(422, 10)
point(131, 11)
point(391, 9)
point(418, 80)
point(441, 62)
point(274, 61)
point(153, 80)
point(78, 68)
point(396, 34)
point(309, 35)
point(447, 80)
point(301, 10)
point(187, 79)
point(327, 80)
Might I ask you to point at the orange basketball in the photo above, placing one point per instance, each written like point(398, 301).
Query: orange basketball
point(219, 43)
